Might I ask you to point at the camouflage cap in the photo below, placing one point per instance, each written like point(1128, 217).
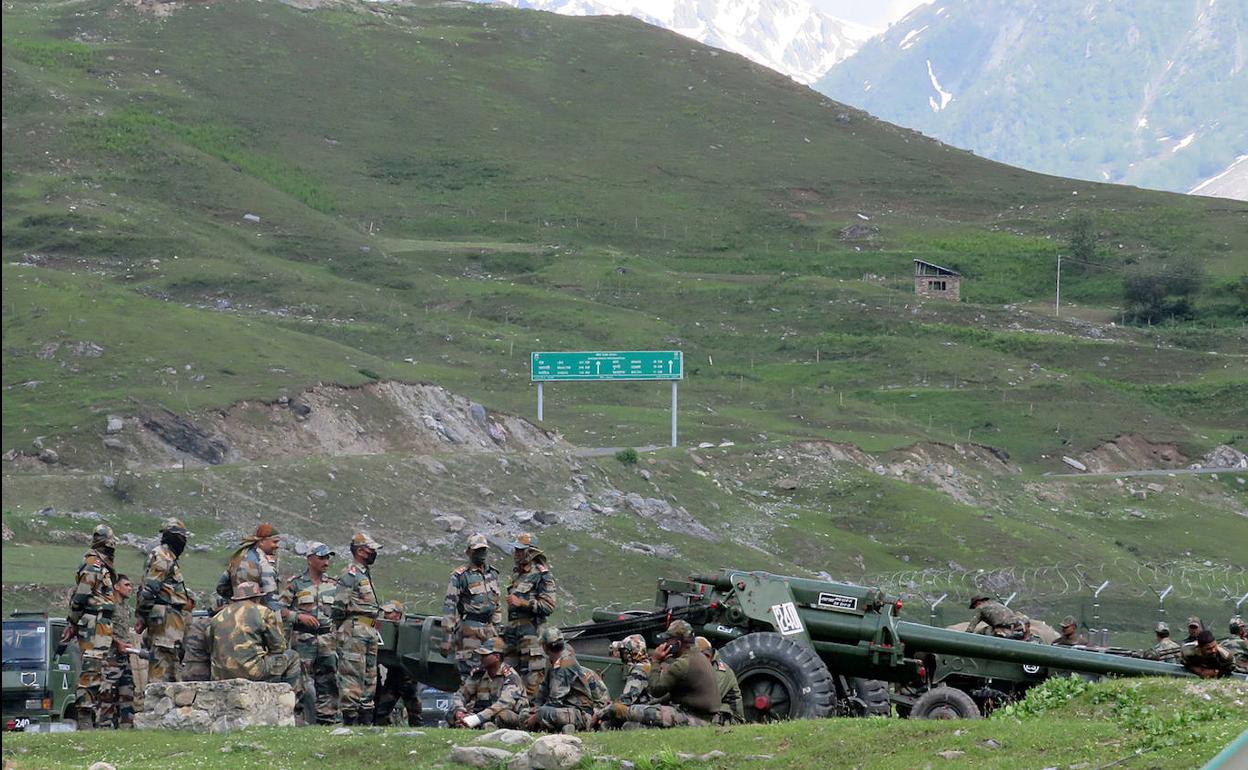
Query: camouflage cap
point(363, 540)
point(392, 606)
point(1237, 624)
point(551, 636)
point(491, 646)
point(103, 535)
point(526, 540)
point(313, 548)
point(1194, 621)
point(703, 645)
point(247, 589)
point(978, 598)
point(176, 526)
point(679, 629)
point(265, 531)
point(1069, 621)
point(633, 646)
point(1162, 627)
point(477, 541)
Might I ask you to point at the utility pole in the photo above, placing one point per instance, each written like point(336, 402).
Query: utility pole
point(1057, 304)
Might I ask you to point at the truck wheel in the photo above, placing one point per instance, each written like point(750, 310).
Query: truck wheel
point(874, 693)
point(944, 703)
point(779, 678)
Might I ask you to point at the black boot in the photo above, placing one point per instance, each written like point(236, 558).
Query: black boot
point(349, 718)
point(366, 717)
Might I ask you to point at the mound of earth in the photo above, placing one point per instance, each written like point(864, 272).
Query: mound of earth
point(1130, 452)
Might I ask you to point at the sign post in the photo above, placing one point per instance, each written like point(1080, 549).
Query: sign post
point(607, 366)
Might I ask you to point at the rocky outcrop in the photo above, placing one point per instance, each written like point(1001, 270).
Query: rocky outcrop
point(214, 707)
point(185, 436)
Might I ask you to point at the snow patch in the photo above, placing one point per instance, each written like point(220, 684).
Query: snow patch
point(945, 96)
point(908, 40)
point(1142, 123)
point(1185, 141)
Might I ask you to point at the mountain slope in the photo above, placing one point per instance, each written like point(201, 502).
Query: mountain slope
point(1145, 93)
point(790, 36)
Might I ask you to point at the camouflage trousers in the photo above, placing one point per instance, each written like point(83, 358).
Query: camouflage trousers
point(525, 654)
point(555, 718)
point(164, 664)
point(165, 642)
point(116, 704)
point(357, 644)
point(466, 640)
point(320, 672)
point(397, 686)
point(282, 667)
point(509, 719)
point(90, 682)
point(650, 715)
point(194, 670)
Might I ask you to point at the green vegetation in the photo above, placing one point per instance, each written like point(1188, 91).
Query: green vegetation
point(627, 456)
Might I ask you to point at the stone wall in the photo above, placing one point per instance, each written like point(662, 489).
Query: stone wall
point(930, 286)
point(216, 707)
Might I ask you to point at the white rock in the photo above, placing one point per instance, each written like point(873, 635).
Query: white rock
point(555, 752)
point(479, 756)
point(341, 731)
point(506, 737)
point(101, 766)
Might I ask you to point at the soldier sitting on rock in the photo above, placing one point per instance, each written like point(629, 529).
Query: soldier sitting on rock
point(245, 641)
point(196, 665)
point(397, 684)
point(731, 710)
point(570, 692)
point(492, 695)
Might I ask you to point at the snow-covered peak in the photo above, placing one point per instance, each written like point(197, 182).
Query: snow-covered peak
point(790, 36)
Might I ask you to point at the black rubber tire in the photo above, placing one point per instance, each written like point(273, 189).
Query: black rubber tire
point(790, 675)
point(944, 703)
point(875, 694)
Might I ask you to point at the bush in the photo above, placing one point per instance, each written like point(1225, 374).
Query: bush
point(627, 456)
point(1160, 292)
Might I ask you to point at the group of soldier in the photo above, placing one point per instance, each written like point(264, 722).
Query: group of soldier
point(1201, 652)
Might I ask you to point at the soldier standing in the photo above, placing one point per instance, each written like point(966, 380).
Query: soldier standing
point(255, 561)
point(90, 620)
point(731, 710)
point(1166, 648)
point(1070, 634)
point(397, 685)
point(355, 612)
point(472, 612)
point(308, 597)
point(162, 603)
point(1001, 621)
point(530, 601)
point(491, 694)
point(245, 641)
point(117, 690)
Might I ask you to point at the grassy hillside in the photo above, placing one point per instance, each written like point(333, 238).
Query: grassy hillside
point(241, 200)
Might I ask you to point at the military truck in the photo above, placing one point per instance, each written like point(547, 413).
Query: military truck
point(39, 684)
point(806, 648)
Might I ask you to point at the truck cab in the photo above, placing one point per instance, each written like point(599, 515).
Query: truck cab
point(39, 685)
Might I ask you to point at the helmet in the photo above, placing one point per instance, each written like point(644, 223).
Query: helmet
point(679, 629)
point(174, 526)
point(552, 636)
point(703, 645)
point(102, 536)
point(633, 647)
point(978, 598)
point(491, 646)
point(362, 540)
point(247, 589)
point(477, 541)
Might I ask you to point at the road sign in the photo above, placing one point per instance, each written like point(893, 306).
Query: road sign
point(606, 366)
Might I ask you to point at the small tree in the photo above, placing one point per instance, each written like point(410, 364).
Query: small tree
point(1158, 292)
point(1082, 245)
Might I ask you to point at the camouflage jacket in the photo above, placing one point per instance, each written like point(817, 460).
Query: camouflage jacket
point(636, 684)
point(302, 595)
point(1238, 647)
point(240, 637)
point(251, 564)
point(162, 588)
point(1166, 649)
point(687, 681)
point(536, 587)
point(355, 594)
point(472, 596)
point(1220, 660)
point(1071, 641)
point(196, 656)
point(123, 629)
point(488, 695)
point(91, 603)
point(729, 690)
point(995, 615)
point(568, 683)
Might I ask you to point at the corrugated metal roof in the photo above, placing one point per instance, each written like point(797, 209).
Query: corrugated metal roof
point(947, 270)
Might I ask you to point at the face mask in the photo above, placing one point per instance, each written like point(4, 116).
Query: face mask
point(477, 557)
point(372, 557)
point(107, 551)
point(176, 543)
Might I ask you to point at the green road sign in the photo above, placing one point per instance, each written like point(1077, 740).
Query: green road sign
point(605, 366)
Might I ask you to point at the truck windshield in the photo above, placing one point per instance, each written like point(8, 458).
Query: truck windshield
point(25, 641)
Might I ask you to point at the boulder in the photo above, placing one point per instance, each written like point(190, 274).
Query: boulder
point(216, 706)
point(49, 456)
point(479, 756)
point(555, 752)
point(506, 737)
point(451, 522)
point(114, 424)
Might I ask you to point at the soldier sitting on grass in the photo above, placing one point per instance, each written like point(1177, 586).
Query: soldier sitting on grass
point(492, 695)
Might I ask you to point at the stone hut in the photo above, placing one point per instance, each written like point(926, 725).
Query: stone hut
point(936, 282)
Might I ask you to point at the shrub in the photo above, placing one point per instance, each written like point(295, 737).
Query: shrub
point(627, 456)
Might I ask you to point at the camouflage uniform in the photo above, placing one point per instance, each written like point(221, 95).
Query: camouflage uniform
point(636, 684)
point(1000, 620)
point(497, 698)
point(687, 685)
point(355, 612)
point(570, 692)
point(316, 650)
point(1167, 649)
point(162, 608)
point(395, 684)
point(91, 615)
point(251, 565)
point(534, 585)
point(117, 689)
point(1220, 660)
point(245, 641)
point(730, 709)
point(196, 663)
point(1237, 644)
point(472, 612)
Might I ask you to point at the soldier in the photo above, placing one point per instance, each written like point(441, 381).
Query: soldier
point(472, 612)
point(492, 694)
point(570, 693)
point(255, 561)
point(631, 650)
point(117, 690)
point(90, 620)
point(397, 684)
point(354, 613)
point(1166, 648)
point(731, 711)
point(1237, 643)
point(162, 603)
point(308, 597)
point(1194, 627)
point(1206, 658)
point(245, 641)
point(999, 620)
point(530, 601)
point(1028, 635)
point(684, 681)
point(196, 663)
point(1070, 634)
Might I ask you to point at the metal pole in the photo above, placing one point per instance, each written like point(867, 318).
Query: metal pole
point(674, 383)
point(1057, 304)
point(539, 402)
